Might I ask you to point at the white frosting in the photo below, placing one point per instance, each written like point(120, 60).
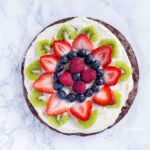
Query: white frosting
point(107, 116)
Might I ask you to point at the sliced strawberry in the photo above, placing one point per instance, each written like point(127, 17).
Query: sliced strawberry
point(82, 111)
point(44, 83)
point(103, 54)
point(48, 63)
point(61, 48)
point(111, 75)
point(55, 106)
point(83, 42)
point(104, 96)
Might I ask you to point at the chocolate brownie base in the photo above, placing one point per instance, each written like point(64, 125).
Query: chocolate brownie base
point(135, 76)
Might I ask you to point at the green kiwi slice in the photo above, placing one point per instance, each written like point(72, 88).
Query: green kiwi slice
point(118, 98)
point(89, 123)
point(59, 120)
point(112, 43)
point(43, 47)
point(91, 32)
point(33, 70)
point(126, 70)
point(66, 32)
point(35, 99)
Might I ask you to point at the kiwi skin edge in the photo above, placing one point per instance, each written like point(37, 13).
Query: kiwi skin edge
point(135, 75)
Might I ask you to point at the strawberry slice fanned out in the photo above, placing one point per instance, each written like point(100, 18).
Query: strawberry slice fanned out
point(48, 63)
point(103, 54)
point(44, 83)
point(111, 75)
point(82, 111)
point(83, 42)
point(104, 97)
point(55, 106)
point(61, 48)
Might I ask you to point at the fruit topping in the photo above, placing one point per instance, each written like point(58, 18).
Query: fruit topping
point(104, 97)
point(44, 83)
point(57, 85)
point(111, 75)
point(95, 88)
point(82, 111)
point(125, 70)
point(83, 42)
point(89, 59)
point(99, 81)
point(63, 60)
point(48, 63)
point(61, 48)
point(76, 76)
point(91, 32)
point(72, 54)
point(55, 106)
point(80, 98)
point(88, 75)
point(66, 79)
point(91, 121)
point(88, 92)
point(95, 64)
point(76, 65)
point(82, 53)
point(79, 87)
point(61, 94)
point(103, 54)
point(71, 97)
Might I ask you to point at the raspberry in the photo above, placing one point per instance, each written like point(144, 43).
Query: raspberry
point(76, 65)
point(66, 79)
point(79, 87)
point(88, 75)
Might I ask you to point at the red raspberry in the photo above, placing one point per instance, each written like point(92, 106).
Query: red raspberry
point(66, 79)
point(79, 87)
point(88, 75)
point(76, 65)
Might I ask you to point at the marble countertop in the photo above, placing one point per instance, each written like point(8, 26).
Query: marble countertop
point(20, 21)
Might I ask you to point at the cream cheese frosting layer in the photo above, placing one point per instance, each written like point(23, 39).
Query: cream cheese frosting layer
point(107, 116)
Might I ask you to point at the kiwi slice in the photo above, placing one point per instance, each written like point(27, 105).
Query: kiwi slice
point(35, 99)
point(91, 121)
point(118, 98)
point(66, 32)
point(33, 70)
point(91, 32)
point(59, 120)
point(112, 43)
point(43, 47)
point(126, 70)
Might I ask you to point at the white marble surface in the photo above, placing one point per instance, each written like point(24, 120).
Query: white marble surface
point(20, 21)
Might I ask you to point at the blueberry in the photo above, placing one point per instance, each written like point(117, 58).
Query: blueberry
point(76, 76)
point(59, 67)
point(88, 92)
point(72, 54)
point(57, 85)
point(56, 76)
point(82, 53)
point(88, 58)
point(95, 64)
point(99, 72)
point(99, 81)
point(62, 94)
point(80, 97)
point(63, 60)
point(71, 97)
point(95, 88)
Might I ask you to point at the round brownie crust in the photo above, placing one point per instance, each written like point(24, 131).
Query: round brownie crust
point(135, 76)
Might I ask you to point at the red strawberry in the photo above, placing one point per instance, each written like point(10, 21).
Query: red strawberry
point(55, 106)
point(82, 111)
point(103, 54)
point(88, 75)
point(79, 87)
point(76, 65)
point(48, 63)
point(111, 75)
point(61, 47)
point(83, 42)
point(66, 79)
point(104, 96)
point(44, 83)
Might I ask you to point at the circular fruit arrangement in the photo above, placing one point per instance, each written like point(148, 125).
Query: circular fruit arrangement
point(77, 76)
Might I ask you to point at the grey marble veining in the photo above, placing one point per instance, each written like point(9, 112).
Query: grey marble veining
point(20, 21)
